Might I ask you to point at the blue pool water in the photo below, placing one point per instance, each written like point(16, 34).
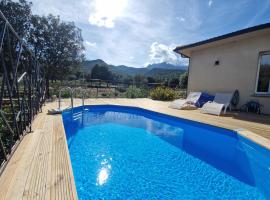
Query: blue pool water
point(130, 153)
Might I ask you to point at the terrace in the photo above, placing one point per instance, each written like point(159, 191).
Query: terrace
point(40, 167)
point(34, 155)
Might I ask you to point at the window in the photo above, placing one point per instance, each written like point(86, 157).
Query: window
point(263, 77)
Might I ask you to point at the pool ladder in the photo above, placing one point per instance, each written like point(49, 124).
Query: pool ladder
point(72, 90)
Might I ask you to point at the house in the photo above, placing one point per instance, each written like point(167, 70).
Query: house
point(238, 60)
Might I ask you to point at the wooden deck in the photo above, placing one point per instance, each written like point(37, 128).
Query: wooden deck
point(40, 167)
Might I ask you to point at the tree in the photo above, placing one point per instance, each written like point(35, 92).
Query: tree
point(174, 82)
point(57, 45)
point(139, 79)
point(101, 72)
point(150, 79)
point(183, 80)
point(18, 14)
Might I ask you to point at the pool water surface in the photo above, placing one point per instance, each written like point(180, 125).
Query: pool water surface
point(131, 153)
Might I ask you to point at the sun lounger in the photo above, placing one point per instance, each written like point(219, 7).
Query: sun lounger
point(221, 100)
point(192, 98)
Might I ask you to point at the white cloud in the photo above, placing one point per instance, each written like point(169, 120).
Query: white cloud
point(210, 2)
point(128, 27)
point(164, 53)
point(181, 19)
point(105, 12)
point(90, 44)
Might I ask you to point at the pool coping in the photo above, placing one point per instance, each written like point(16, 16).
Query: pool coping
point(73, 184)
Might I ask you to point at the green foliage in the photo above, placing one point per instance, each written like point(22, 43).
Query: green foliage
point(18, 13)
point(120, 89)
point(173, 83)
point(163, 94)
point(65, 94)
point(57, 45)
point(101, 72)
point(135, 92)
point(139, 80)
point(183, 81)
point(181, 94)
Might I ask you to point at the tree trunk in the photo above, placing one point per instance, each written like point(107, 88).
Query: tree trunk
point(47, 87)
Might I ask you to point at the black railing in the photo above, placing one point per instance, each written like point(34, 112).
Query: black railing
point(22, 91)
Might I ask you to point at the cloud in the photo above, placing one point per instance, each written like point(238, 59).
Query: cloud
point(164, 53)
point(105, 12)
point(90, 44)
point(181, 19)
point(124, 30)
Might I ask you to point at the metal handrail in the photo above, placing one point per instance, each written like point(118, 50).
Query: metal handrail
point(59, 98)
point(83, 91)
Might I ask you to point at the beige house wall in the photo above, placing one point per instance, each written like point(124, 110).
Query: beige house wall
point(237, 69)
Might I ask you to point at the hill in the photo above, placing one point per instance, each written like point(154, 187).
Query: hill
point(165, 65)
point(158, 70)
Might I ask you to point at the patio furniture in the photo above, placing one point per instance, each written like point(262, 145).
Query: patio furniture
point(221, 100)
point(192, 98)
point(252, 106)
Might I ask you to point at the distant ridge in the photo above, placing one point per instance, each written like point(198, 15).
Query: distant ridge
point(165, 65)
point(153, 70)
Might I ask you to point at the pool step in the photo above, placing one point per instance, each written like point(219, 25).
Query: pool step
point(77, 115)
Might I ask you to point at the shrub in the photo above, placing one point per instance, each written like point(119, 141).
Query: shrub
point(163, 94)
point(181, 94)
point(183, 81)
point(65, 94)
point(135, 92)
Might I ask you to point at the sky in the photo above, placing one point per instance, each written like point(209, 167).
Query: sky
point(141, 32)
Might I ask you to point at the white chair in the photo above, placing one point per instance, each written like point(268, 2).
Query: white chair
point(221, 100)
point(192, 98)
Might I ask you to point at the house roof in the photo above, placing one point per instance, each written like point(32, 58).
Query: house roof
point(186, 49)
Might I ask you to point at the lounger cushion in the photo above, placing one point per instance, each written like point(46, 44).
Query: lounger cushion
point(177, 104)
point(212, 108)
point(181, 103)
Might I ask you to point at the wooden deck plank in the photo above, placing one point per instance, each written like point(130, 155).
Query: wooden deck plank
point(37, 182)
point(41, 169)
point(30, 172)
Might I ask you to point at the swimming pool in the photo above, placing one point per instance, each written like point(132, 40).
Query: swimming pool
point(122, 152)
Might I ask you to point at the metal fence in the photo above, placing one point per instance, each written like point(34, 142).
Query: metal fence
point(22, 91)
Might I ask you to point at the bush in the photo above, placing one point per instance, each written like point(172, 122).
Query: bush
point(135, 92)
point(183, 81)
point(163, 94)
point(65, 94)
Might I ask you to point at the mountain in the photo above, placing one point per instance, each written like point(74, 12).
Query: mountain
point(89, 64)
point(125, 70)
point(164, 73)
point(165, 65)
point(160, 70)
